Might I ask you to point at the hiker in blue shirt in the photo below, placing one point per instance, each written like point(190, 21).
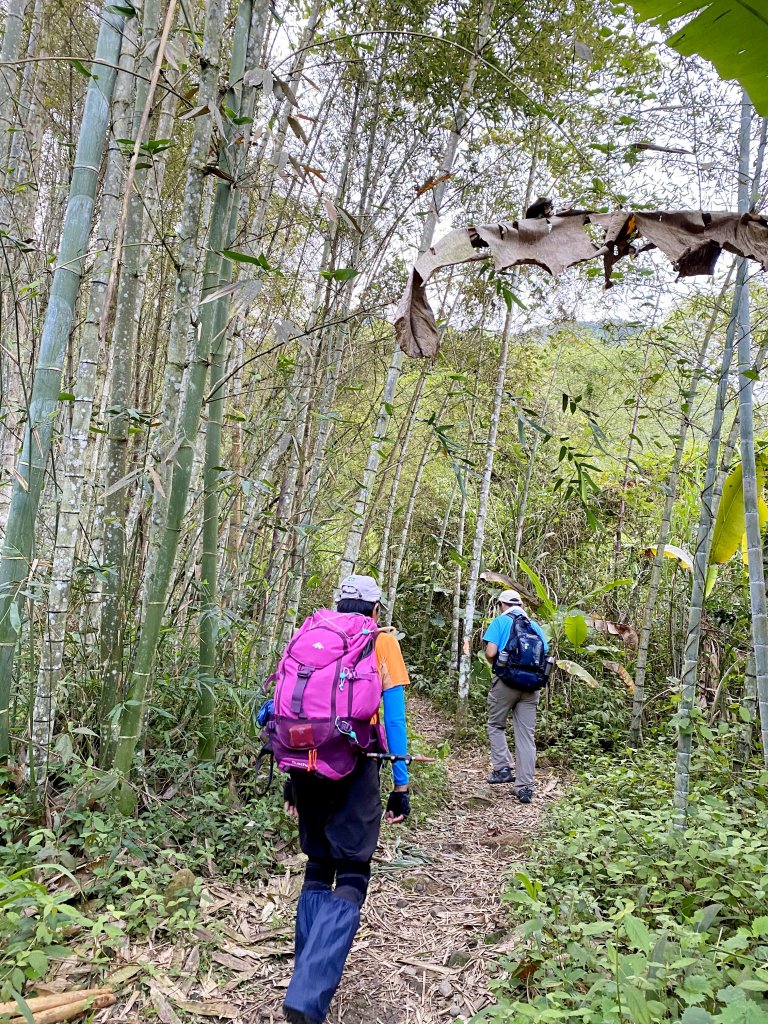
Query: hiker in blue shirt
point(504, 698)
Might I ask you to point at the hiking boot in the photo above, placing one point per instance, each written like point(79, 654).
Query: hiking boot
point(297, 1017)
point(500, 775)
point(524, 794)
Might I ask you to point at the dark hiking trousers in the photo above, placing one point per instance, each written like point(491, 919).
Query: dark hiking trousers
point(339, 823)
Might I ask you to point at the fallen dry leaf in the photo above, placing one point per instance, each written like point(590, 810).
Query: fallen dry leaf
point(210, 1008)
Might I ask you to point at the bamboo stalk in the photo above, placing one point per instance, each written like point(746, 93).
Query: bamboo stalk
point(30, 470)
point(355, 535)
point(55, 999)
point(68, 1011)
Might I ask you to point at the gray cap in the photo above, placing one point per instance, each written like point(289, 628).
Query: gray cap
point(509, 597)
point(360, 588)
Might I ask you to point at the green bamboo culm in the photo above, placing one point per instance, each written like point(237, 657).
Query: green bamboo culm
point(218, 274)
point(188, 422)
point(759, 613)
point(707, 518)
point(168, 527)
point(18, 548)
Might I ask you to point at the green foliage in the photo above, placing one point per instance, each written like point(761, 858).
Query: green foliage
point(621, 919)
point(733, 36)
point(204, 820)
point(36, 926)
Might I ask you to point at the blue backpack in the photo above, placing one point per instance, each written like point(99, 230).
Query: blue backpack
point(522, 663)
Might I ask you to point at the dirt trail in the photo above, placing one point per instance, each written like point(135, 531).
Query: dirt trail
point(433, 921)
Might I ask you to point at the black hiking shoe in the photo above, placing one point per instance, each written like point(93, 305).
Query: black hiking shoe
point(524, 794)
point(500, 775)
point(297, 1016)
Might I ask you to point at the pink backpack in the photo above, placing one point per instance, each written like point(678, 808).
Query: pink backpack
point(327, 695)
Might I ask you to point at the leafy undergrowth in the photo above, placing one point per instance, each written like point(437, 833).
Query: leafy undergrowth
point(87, 881)
point(623, 919)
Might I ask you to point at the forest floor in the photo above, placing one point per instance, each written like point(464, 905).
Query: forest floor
point(433, 924)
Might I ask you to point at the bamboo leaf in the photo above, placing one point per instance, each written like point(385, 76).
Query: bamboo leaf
point(625, 581)
point(127, 11)
point(121, 483)
point(79, 66)
point(298, 131)
point(539, 587)
point(342, 274)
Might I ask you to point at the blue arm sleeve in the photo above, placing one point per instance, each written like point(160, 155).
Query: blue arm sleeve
point(536, 626)
point(397, 735)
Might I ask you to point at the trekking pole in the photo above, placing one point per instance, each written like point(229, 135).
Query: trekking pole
point(407, 758)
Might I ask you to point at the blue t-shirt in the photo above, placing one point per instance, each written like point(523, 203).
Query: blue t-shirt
point(498, 631)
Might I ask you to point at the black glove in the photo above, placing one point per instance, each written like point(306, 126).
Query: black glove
point(399, 804)
point(289, 797)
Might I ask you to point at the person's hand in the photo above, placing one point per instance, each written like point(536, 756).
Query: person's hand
point(398, 806)
point(289, 799)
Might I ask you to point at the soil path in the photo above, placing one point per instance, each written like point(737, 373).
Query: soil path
point(433, 923)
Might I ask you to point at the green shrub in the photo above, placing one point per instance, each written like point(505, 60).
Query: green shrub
point(622, 919)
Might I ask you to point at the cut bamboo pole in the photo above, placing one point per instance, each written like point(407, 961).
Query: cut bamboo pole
point(68, 1011)
point(38, 1003)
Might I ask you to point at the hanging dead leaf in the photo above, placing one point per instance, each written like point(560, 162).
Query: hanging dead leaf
point(286, 90)
point(620, 629)
point(297, 130)
point(680, 555)
point(507, 581)
point(195, 112)
point(621, 672)
point(574, 669)
point(432, 183)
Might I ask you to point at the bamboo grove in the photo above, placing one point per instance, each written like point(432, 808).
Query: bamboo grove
point(207, 213)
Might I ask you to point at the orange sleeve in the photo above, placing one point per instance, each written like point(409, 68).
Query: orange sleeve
point(390, 661)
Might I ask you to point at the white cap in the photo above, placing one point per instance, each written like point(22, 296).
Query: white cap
point(509, 597)
point(360, 588)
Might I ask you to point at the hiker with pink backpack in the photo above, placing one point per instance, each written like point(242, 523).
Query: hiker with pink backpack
point(330, 683)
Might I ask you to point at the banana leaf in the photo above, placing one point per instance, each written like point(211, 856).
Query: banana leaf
point(729, 530)
point(732, 35)
point(680, 555)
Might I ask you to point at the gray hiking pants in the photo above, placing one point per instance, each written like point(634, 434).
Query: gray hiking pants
point(501, 700)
